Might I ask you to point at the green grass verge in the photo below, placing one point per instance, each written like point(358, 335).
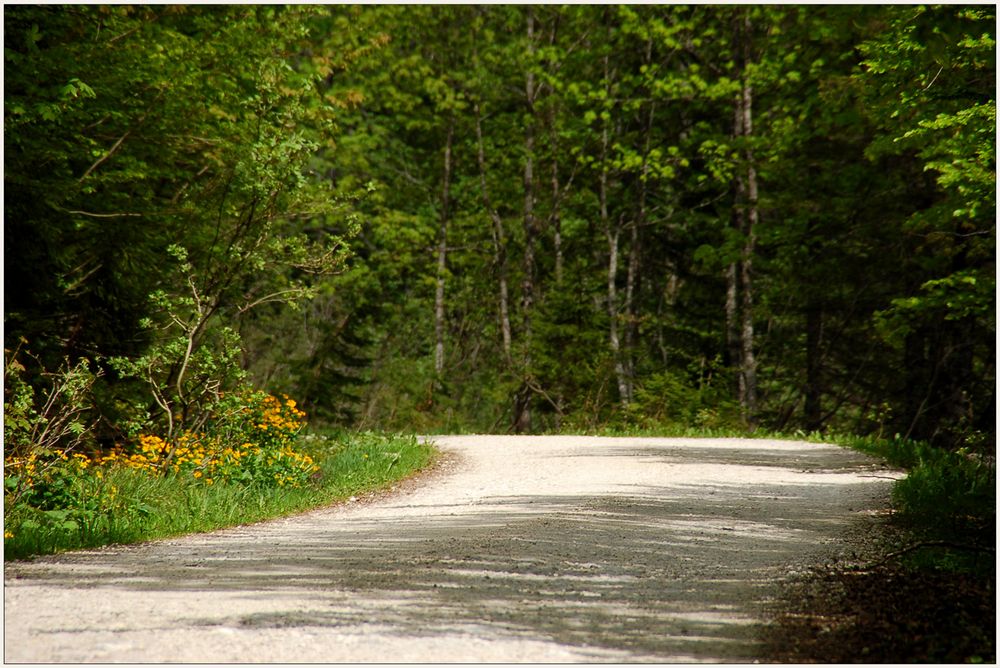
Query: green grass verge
point(137, 507)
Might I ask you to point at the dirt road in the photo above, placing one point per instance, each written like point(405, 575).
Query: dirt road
point(518, 549)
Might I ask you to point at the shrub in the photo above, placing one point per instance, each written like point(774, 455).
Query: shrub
point(54, 416)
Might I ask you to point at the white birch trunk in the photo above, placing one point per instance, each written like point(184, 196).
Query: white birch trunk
point(442, 255)
point(499, 242)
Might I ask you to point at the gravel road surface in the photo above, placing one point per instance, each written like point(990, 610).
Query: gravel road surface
point(515, 549)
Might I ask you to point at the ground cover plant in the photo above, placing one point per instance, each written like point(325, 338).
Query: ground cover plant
point(925, 590)
point(57, 500)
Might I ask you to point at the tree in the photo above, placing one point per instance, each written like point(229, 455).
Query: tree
point(159, 221)
point(943, 118)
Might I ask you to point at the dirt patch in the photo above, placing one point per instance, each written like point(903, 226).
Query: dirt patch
point(865, 608)
point(885, 615)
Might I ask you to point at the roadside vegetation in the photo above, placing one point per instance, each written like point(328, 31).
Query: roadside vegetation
point(924, 588)
point(58, 501)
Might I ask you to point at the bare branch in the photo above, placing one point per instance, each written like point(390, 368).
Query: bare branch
point(108, 154)
point(273, 297)
point(104, 215)
point(114, 148)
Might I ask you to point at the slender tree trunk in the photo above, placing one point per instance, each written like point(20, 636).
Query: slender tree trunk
point(739, 274)
point(499, 242)
point(528, 281)
point(733, 334)
point(635, 249)
point(631, 315)
point(522, 404)
point(442, 254)
point(556, 218)
point(620, 374)
point(814, 388)
point(733, 345)
point(612, 234)
point(749, 240)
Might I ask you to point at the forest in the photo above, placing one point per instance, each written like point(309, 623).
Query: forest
point(388, 220)
point(505, 218)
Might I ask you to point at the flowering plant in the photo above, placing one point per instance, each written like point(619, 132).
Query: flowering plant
point(249, 445)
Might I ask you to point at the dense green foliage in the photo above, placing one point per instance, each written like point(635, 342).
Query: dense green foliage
point(566, 183)
point(501, 218)
point(559, 217)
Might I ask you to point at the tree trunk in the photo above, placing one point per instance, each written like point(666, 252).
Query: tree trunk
point(734, 343)
point(733, 346)
point(612, 234)
point(442, 254)
point(499, 241)
point(631, 317)
point(749, 241)
point(814, 388)
point(613, 340)
point(739, 275)
point(522, 404)
point(635, 248)
point(556, 219)
point(528, 281)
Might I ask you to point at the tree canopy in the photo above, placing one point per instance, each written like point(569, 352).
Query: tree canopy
point(509, 217)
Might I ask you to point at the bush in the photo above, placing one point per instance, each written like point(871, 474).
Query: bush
point(946, 488)
point(54, 416)
point(250, 444)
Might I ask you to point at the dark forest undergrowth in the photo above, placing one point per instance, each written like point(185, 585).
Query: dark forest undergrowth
point(885, 614)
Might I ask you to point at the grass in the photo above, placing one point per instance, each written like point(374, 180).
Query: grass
point(947, 501)
point(130, 506)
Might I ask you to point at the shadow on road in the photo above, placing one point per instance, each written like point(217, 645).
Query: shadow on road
point(671, 573)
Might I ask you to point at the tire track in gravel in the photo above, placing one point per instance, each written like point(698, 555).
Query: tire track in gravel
point(517, 549)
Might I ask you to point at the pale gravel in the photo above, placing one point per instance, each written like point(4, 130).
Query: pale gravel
point(517, 549)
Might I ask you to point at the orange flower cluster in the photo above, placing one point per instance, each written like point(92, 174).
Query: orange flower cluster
point(258, 451)
point(32, 467)
point(207, 460)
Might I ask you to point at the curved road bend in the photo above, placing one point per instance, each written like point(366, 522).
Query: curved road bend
point(518, 549)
